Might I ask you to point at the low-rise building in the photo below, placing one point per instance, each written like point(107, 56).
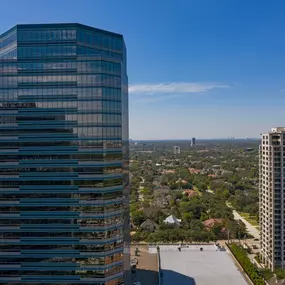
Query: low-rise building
point(172, 220)
point(194, 171)
point(168, 171)
point(190, 193)
point(149, 225)
point(210, 223)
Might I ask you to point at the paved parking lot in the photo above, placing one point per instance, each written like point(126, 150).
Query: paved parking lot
point(193, 267)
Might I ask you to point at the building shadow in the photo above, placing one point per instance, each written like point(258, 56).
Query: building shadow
point(167, 277)
point(170, 277)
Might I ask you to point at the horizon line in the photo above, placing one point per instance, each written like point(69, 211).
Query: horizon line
point(197, 139)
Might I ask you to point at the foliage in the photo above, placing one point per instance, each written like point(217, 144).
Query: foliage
point(236, 182)
point(237, 229)
point(245, 262)
point(266, 273)
point(140, 235)
point(178, 235)
point(245, 202)
point(280, 273)
point(138, 217)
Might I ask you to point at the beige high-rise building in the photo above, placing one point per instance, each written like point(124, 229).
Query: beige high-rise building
point(176, 149)
point(271, 197)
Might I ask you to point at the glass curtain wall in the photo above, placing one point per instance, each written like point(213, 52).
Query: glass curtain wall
point(64, 184)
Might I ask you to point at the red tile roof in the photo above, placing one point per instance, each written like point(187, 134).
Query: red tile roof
point(190, 193)
point(168, 171)
point(194, 170)
point(211, 222)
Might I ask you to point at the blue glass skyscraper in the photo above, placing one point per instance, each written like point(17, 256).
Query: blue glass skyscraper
point(64, 184)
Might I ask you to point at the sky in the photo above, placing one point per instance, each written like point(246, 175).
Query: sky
point(196, 68)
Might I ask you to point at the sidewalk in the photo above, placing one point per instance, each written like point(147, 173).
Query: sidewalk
point(250, 228)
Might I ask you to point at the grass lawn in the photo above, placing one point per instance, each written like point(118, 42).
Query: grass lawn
point(251, 219)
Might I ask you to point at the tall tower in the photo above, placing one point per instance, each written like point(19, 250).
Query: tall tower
point(271, 198)
point(64, 183)
point(176, 149)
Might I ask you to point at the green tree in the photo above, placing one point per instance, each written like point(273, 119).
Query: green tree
point(216, 231)
point(187, 217)
point(138, 217)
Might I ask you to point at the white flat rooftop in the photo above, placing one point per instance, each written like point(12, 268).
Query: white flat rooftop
point(194, 267)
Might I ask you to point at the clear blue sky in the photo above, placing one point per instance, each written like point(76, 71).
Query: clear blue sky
point(203, 68)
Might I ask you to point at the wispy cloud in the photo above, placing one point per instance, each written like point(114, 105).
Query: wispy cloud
point(177, 88)
point(161, 97)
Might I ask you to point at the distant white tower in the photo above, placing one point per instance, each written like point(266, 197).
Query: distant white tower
point(176, 149)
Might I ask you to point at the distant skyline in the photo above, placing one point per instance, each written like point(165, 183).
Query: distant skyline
point(197, 68)
point(199, 140)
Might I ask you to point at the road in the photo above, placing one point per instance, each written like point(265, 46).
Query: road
point(250, 228)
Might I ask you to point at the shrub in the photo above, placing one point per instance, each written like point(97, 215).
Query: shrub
point(280, 273)
point(246, 264)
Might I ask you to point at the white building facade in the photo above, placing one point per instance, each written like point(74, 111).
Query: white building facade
point(176, 149)
point(271, 198)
